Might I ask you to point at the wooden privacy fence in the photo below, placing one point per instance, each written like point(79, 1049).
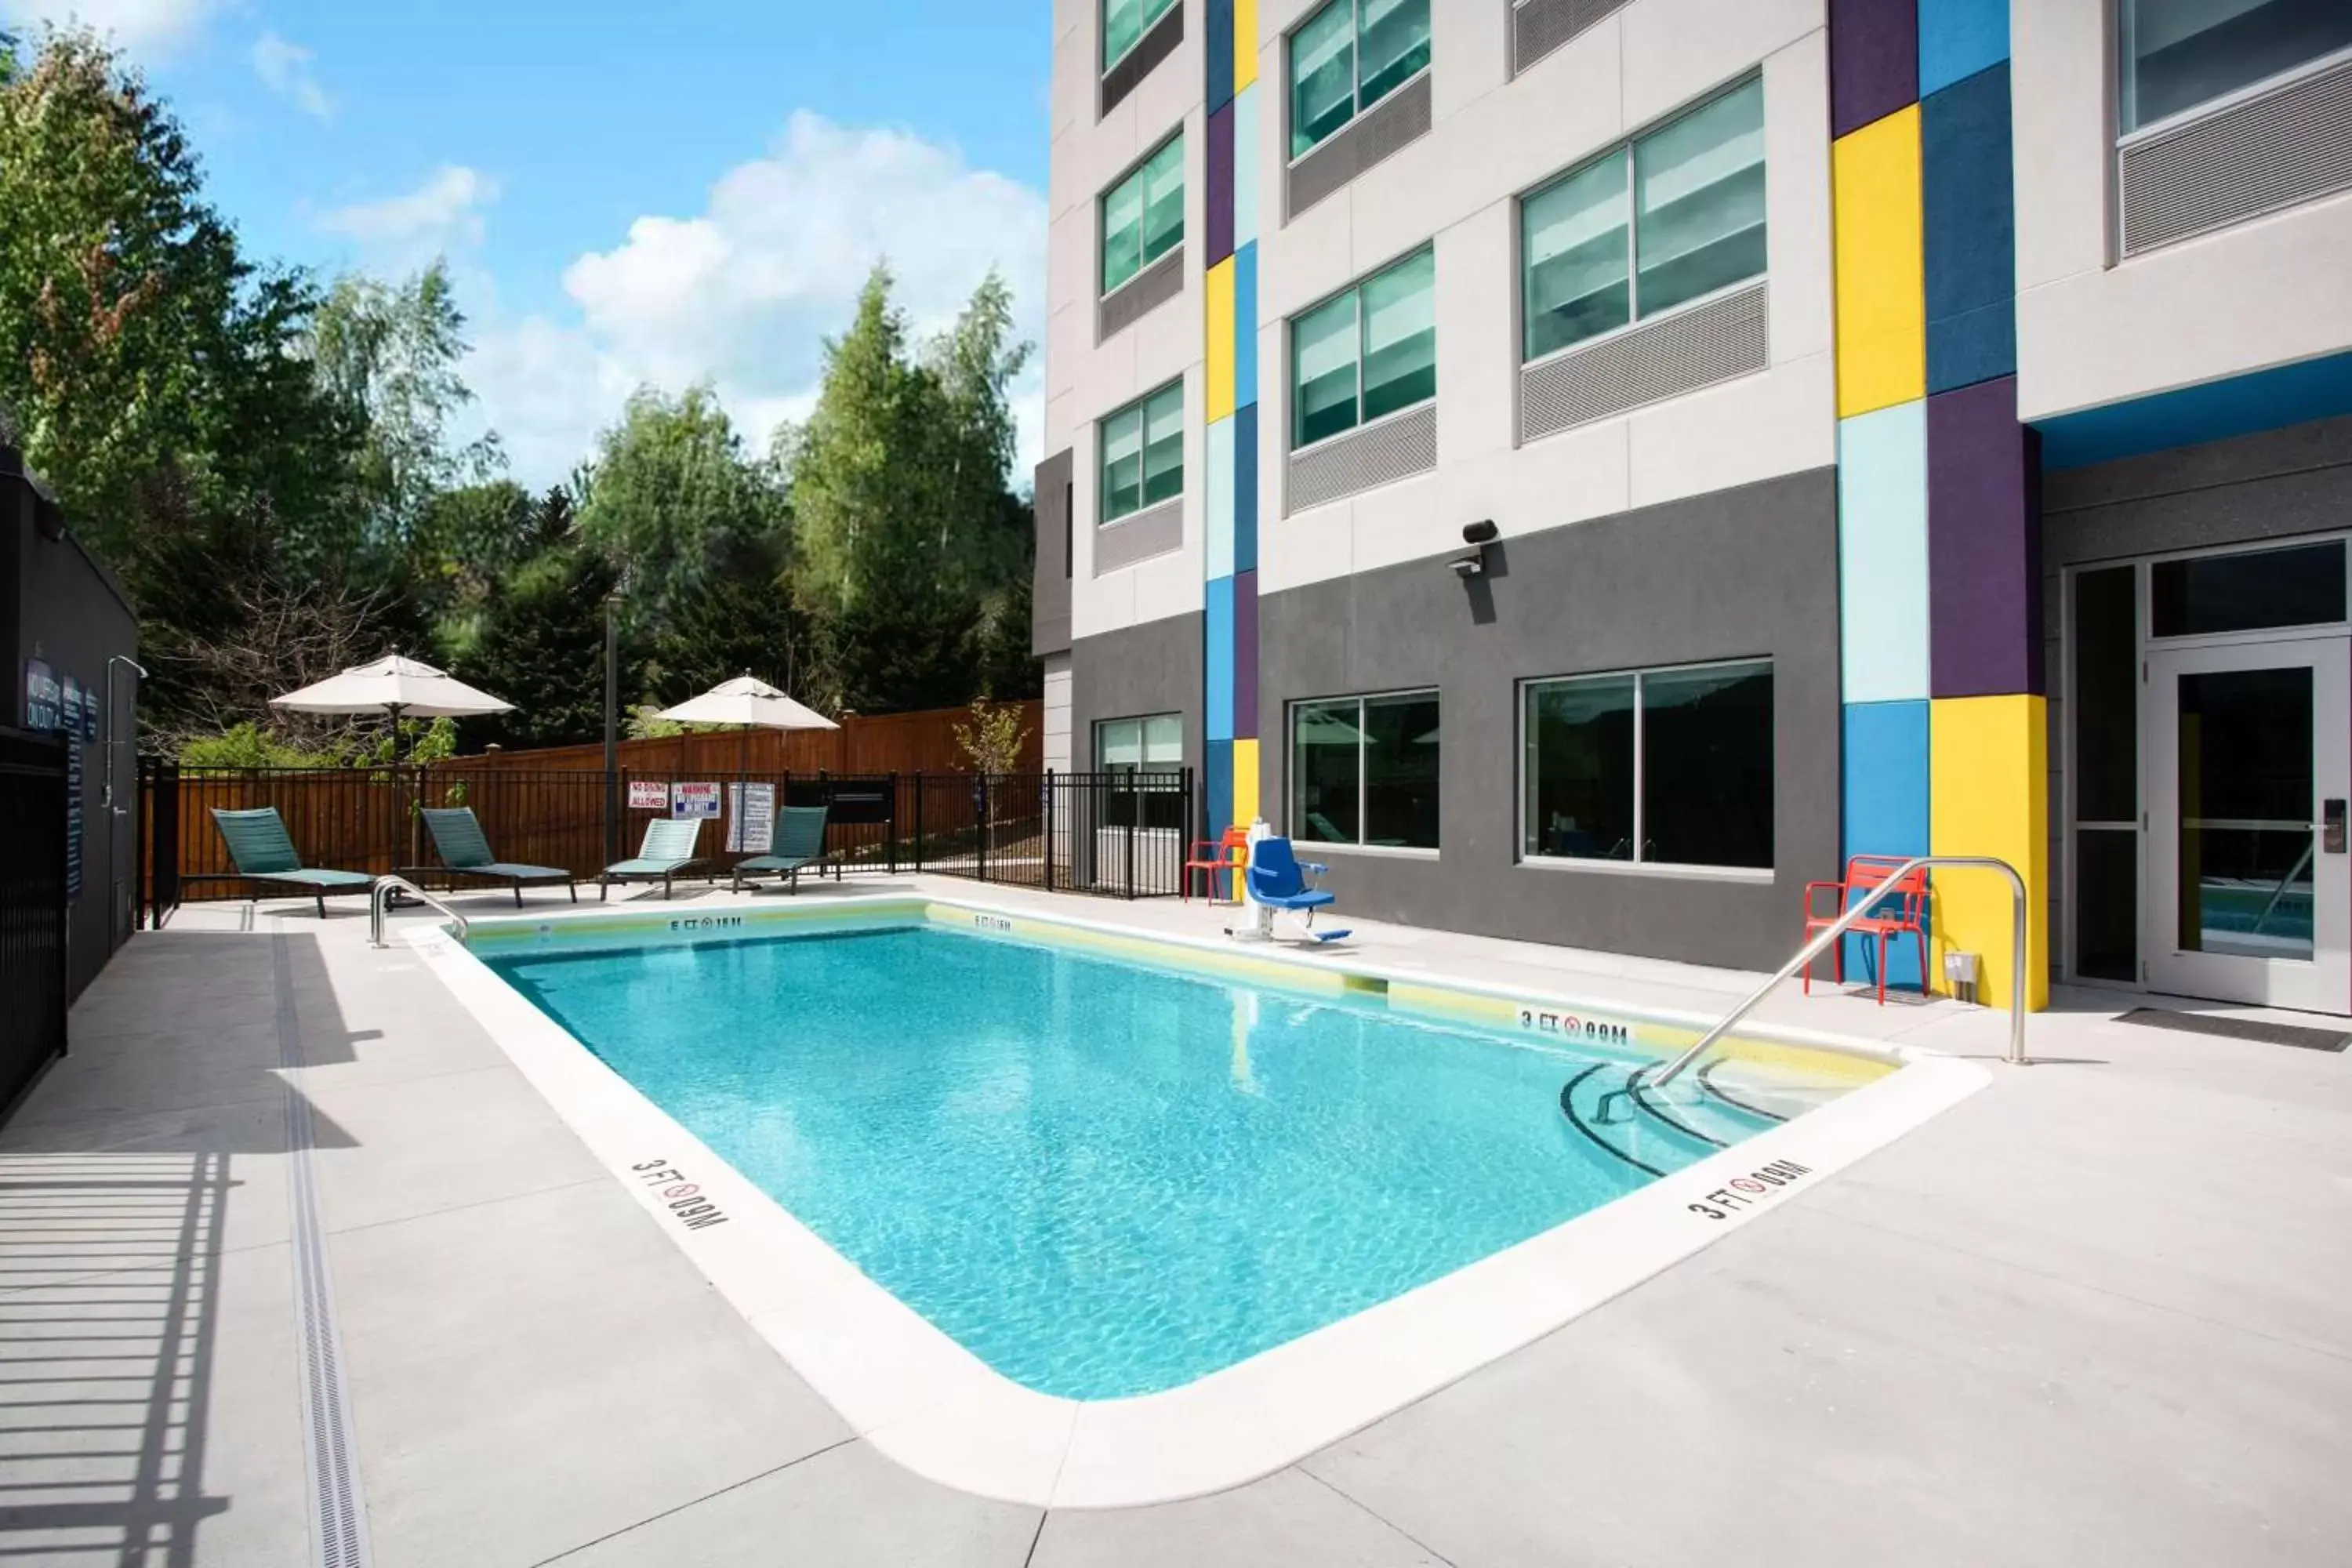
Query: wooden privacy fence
point(921, 743)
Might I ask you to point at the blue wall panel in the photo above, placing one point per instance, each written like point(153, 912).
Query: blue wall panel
point(1246, 325)
point(2290, 394)
point(1220, 53)
point(1885, 807)
point(1220, 498)
point(1959, 38)
point(1217, 636)
point(1882, 553)
point(1216, 784)
point(1970, 231)
point(1244, 428)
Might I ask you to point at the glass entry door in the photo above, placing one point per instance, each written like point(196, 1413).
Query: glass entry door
point(2246, 770)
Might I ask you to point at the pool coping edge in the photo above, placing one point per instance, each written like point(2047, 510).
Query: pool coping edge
point(937, 1409)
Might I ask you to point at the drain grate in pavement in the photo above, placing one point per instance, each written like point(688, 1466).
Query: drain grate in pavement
point(2239, 1028)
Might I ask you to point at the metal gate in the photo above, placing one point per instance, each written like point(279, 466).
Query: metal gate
point(32, 908)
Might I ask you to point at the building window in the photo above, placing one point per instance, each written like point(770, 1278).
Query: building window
point(1142, 454)
point(1145, 757)
point(1364, 770)
point(1347, 56)
point(1369, 352)
point(1652, 767)
point(1124, 22)
point(1143, 215)
point(1645, 228)
point(2173, 55)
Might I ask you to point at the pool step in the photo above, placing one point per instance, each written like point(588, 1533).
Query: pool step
point(1602, 1103)
point(1655, 1129)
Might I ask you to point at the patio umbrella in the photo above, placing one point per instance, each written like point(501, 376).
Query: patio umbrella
point(750, 702)
point(392, 685)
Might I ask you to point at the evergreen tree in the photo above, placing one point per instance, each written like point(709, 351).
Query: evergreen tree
point(540, 646)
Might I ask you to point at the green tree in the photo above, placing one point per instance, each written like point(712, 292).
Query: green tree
point(902, 523)
point(672, 490)
point(146, 360)
point(541, 647)
point(387, 355)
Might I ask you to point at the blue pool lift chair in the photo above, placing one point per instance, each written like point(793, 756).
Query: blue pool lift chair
point(1278, 882)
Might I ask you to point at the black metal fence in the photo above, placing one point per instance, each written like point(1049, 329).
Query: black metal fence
point(33, 977)
point(1120, 833)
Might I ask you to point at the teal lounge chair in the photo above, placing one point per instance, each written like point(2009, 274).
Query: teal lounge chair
point(262, 851)
point(669, 849)
point(800, 841)
point(458, 839)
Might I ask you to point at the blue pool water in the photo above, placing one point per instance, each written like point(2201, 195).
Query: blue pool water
point(1103, 1179)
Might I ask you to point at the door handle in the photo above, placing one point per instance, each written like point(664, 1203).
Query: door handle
point(2331, 826)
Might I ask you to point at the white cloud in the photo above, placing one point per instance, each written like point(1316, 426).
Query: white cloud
point(145, 27)
point(285, 70)
point(742, 294)
point(443, 213)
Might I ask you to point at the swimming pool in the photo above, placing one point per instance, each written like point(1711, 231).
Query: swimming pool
point(1108, 1178)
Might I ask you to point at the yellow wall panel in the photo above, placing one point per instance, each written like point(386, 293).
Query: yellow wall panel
point(1988, 785)
point(1221, 341)
point(1245, 53)
point(1882, 287)
point(1244, 781)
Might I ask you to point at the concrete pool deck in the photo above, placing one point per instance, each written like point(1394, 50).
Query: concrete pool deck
point(2096, 1312)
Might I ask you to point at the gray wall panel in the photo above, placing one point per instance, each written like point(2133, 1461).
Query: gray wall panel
point(1151, 668)
point(1049, 598)
point(1155, 531)
point(1745, 572)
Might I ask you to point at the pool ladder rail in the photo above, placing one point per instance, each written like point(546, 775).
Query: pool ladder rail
point(380, 898)
point(1638, 1090)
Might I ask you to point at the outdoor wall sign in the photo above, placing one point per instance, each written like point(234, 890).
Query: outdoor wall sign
point(694, 799)
point(750, 817)
point(648, 795)
point(40, 697)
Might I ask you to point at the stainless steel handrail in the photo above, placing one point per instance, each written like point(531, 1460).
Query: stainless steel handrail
point(380, 894)
point(1815, 948)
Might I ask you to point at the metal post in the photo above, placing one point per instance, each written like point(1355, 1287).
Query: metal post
point(1049, 830)
point(980, 817)
point(893, 825)
point(612, 730)
point(919, 819)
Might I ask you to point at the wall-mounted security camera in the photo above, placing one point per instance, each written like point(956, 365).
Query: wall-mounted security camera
point(1478, 534)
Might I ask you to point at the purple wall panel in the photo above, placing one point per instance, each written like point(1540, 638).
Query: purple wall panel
point(1873, 60)
point(1984, 567)
point(1220, 185)
point(1245, 655)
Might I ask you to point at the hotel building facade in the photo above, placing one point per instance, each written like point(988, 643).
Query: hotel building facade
point(1585, 469)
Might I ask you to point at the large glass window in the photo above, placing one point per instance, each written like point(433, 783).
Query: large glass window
point(1667, 766)
point(1143, 215)
point(1124, 22)
point(1649, 225)
point(1366, 352)
point(1142, 454)
point(2300, 584)
point(2173, 55)
point(1364, 770)
point(1347, 56)
point(1145, 756)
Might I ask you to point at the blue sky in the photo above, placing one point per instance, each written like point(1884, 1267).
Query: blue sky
point(694, 200)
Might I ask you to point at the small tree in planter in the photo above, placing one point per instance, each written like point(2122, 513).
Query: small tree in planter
point(991, 744)
point(992, 741)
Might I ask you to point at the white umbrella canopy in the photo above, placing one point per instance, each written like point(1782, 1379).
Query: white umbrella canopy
point(392, 684)
point(747, 699)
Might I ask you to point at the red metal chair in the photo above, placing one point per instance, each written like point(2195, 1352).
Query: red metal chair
point(1231, 851)
point(1899, 907)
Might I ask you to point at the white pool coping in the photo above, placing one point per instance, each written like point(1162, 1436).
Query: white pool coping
point(934, 1407)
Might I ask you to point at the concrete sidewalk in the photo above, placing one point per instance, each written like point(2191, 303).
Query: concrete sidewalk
point(2096, 1314)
